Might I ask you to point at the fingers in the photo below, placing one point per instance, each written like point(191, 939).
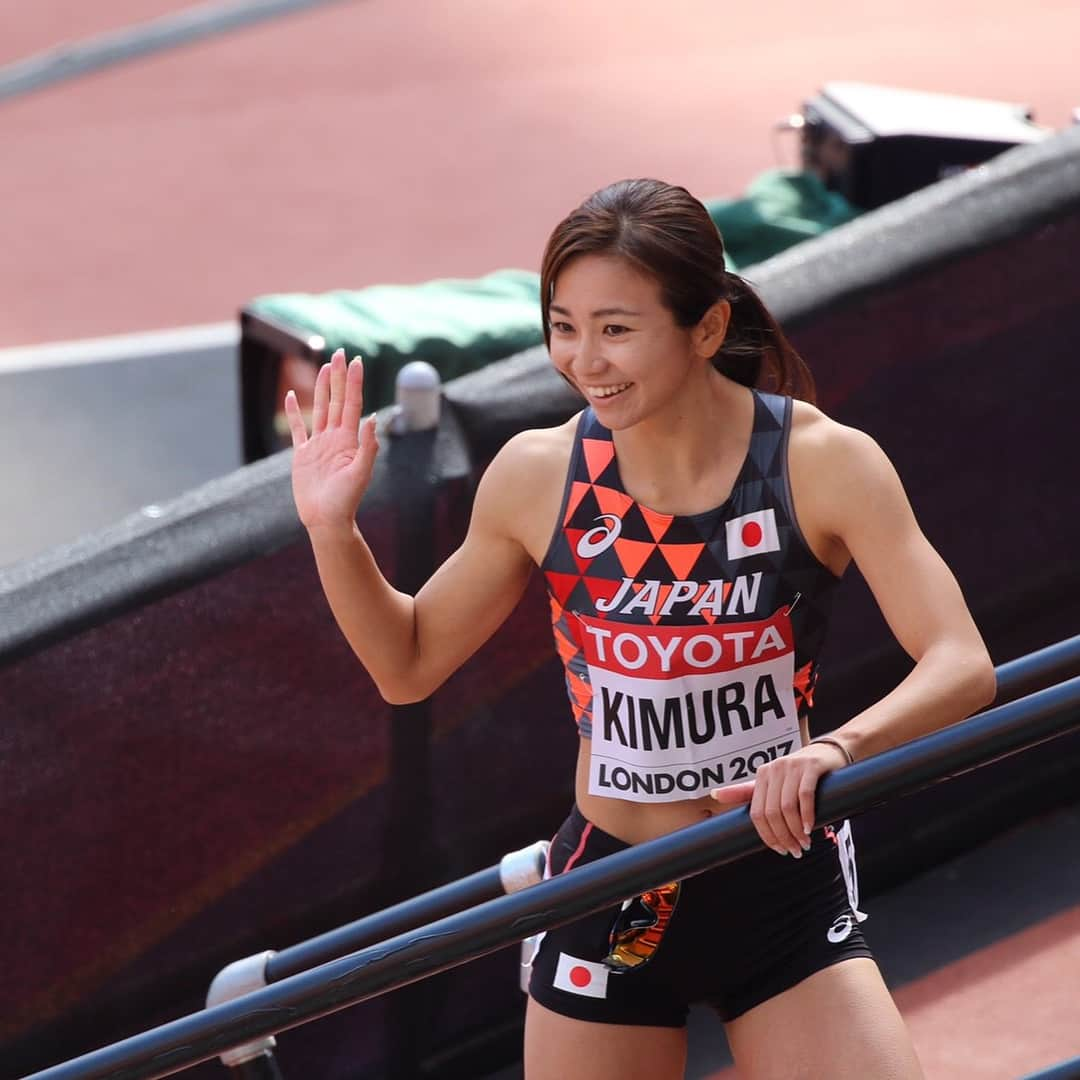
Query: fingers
point(320, 408)
point(297, 428)
point(364, 460)
point(794, 836)
point(760, 818)
point(781, 797)
point(807, 802)
point(734, 794)
point(339, 394)
point(756, 793)
point(353, 407)
point(338, 373)
point(781, 807)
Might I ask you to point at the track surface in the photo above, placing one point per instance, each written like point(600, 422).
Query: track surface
point(379, 141)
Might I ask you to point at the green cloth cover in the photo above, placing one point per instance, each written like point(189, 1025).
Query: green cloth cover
point(456, 325)
point(779, 209)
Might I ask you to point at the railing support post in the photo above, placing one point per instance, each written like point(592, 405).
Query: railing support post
point(413, 465)
point(263, 1067)
point(254, 1060)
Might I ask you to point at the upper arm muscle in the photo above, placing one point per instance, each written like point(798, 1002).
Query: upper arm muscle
point(868, 512)
point(474, 591)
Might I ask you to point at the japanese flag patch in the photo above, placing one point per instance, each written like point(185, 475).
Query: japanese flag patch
point(752, 534)
point(581, 977)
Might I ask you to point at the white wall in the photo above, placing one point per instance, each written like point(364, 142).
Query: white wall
point(91, 431)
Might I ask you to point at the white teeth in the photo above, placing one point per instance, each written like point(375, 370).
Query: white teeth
point(607, 391)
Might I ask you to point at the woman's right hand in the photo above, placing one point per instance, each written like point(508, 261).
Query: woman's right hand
point(332, 466)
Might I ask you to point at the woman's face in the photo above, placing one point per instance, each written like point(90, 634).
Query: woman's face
point(614, 339)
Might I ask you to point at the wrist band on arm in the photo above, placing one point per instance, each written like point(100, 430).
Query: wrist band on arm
point(837, 743)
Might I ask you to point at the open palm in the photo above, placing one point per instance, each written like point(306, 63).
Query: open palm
point(332, 466)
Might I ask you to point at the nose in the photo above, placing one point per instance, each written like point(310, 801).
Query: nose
point(589, 356)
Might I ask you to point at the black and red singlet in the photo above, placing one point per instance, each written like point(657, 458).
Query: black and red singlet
point(690, 643)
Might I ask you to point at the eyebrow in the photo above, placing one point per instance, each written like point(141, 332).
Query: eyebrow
point(598, 312)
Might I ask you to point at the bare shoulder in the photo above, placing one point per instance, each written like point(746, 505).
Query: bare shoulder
point(840, 479)
point(835, 449)
point(521, 489)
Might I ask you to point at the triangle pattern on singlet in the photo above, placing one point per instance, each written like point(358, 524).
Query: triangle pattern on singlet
point(599, 454)
point(664, 593)
point(635, 526)
point(634, 554)
point(609, 478)
point(561, 585)
point(578, 491)
point(607, 564)
point(613, 502)
point(658, 524)
point(661, 548)
point(600, 588)
point(655, 566)
point(559, 558)
point(588, 506)
point(682, 558)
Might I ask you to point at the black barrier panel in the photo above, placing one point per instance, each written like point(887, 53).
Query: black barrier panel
point(190, 765)
point(166, 772)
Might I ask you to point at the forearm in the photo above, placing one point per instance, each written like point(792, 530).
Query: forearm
point(949, 683)
point(378, 621)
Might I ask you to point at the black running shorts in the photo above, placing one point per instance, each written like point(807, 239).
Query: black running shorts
point(733, 937)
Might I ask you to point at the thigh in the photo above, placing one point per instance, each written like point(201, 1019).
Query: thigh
point(838, 1024)
point(563, 1048)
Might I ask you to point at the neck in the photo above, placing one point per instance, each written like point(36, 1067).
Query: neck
point(678, 459)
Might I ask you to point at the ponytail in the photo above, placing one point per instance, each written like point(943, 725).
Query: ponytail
point(756, 352)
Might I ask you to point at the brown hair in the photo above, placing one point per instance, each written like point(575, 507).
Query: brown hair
point(667, 233)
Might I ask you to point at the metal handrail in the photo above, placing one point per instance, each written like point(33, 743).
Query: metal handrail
point(1065, 1070)
point(1014, 678)
point(447, 899)
point(467, 935)
point(1021, 676)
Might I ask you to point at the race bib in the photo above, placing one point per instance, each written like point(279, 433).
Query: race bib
point(680, 710)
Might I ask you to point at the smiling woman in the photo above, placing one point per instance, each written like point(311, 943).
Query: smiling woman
point(691, 524)
point(681, 250)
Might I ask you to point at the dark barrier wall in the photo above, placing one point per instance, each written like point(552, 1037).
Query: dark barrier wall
point(193, 767)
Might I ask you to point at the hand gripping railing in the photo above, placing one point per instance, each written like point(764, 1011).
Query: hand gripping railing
point(461, 937)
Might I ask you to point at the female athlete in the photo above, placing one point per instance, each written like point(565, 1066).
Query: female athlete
point(692, 523)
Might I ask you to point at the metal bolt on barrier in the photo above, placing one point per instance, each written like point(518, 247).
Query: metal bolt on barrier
point(418, 394)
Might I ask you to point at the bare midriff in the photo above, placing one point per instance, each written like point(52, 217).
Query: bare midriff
point(635, 822)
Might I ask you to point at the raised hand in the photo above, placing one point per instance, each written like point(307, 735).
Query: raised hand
point(331, 468)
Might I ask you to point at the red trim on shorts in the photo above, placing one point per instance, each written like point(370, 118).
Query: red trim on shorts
point(580, 848)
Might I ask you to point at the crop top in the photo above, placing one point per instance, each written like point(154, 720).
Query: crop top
point(690, 643)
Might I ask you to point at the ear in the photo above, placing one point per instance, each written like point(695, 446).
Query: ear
point(711, 330)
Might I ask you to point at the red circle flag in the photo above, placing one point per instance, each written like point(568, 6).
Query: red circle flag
point(752, 534)
point(580, 976)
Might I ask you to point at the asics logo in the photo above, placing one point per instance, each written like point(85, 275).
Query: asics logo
point(601, 537)
point(840, 929)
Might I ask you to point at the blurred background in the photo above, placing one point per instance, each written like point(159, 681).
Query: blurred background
point(169, 171)
point(344, 144)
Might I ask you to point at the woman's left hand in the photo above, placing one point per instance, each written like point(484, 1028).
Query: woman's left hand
point(781, 796)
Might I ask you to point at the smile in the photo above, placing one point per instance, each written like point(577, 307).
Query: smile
point(607, 391)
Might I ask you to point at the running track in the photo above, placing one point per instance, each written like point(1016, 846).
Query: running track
point(379, 140)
